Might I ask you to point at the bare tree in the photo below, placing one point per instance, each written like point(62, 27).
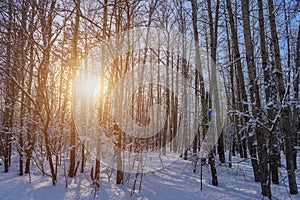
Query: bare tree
point(242, 97)
point(282, 92)
point(8, 98)
point(255, 103)
point(74, 74)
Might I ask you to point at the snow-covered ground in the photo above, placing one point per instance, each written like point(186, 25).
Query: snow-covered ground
point(176, 181)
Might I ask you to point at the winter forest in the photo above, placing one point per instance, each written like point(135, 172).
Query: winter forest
point(149, 99)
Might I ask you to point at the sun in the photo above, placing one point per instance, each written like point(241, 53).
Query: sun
point(87, 85)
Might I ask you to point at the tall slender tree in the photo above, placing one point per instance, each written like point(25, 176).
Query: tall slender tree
point(242, 96)
point(74, 72)
point(282, 93)
point(255, 103)
point(213, 27)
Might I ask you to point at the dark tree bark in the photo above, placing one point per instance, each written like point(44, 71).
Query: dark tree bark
point(270, 97)
point(29, 130)
point(213, 27)
point(242, 97)
point(211, 161)
point(46, 15)
point(24, 13)
point(285, 108)
point(236, 139)
point(296, 114)
point(120, 173)
point(293, 125)
point(198, 73)
point(255, 102)
point(75, 60)
point(6, 123)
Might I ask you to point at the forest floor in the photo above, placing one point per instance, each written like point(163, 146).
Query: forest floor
point(177, 181)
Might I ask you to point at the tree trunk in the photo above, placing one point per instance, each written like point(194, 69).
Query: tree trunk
point(296, 118)
point(293, 132)
point(242, 96)
point(198, 60)
point(255, 102)
point(42, 102)
point(23, 99)
point(75, 60)
point(120, 173)
point(29, 130)
point(211, 161)
point(285, 118)
point(270, 97)
point(213, 32)
point(6, 123)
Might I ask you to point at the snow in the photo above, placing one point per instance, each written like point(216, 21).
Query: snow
point(176, 181)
